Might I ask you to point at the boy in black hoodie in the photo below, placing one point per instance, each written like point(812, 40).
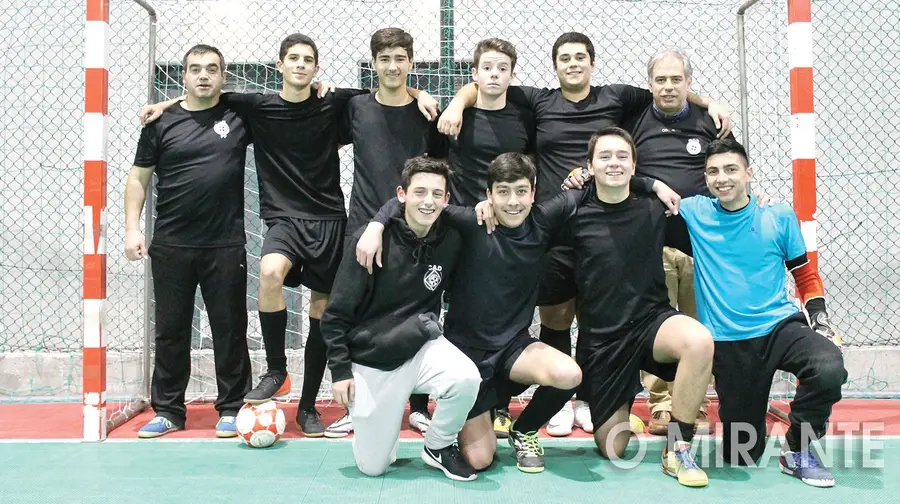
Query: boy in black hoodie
point(383, 336)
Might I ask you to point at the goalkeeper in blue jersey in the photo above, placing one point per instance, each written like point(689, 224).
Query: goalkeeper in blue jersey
point(740, 251)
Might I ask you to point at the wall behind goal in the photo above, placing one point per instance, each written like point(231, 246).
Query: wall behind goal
point(856, 60)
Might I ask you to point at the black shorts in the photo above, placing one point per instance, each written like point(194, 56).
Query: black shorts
point(314, 247)
point(611, 370)
point(495, 366)
point(558, 278)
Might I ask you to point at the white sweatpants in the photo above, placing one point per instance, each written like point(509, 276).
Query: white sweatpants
point(438, 369)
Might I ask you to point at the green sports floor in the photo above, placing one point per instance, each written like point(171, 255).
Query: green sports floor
point(322, 471)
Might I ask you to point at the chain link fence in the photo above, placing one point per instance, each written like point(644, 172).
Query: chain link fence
point(856, 61)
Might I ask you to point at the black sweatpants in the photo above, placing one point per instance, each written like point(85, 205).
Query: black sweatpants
point(221, 274)
point(744, 371)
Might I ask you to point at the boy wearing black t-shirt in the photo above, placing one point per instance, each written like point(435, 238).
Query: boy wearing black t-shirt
point(626, 322)
point(493, 126)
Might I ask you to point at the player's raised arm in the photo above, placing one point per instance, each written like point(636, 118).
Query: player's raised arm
point(368, 247)
point(451, 119)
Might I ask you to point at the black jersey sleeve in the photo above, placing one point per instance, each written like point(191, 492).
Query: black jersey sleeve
point(634, 101)
point(350, 286)
point(147, 154)
point(461, 219)
point(525, 96)
point(641, 184)
point(345, 131)
point(242, 103)
point(342, 96)
point(553, 214)
point(677, 235)
point(393, 208)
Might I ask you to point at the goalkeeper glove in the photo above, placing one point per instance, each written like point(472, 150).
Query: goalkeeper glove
point(820, 323)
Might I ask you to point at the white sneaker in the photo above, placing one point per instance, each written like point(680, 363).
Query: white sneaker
point(341, 427)
point(583, 416)
point(420, 421)
point(562, 422)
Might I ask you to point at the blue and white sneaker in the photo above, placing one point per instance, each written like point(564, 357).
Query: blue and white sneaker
point(159, 426)
point(805, 466)
point(226, 428)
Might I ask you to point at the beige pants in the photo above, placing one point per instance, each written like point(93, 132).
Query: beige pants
point(679, 268)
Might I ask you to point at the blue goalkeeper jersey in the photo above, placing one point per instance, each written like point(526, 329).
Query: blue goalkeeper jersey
point(739, 265)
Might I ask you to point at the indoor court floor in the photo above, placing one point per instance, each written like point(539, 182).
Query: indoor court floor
point(194, 467)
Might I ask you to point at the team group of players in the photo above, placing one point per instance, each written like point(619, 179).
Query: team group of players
point(480, 220)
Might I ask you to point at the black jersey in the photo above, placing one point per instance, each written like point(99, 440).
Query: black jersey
point(383, 138)
point(618, 265)
point(564, 127)
point(485, 135)
point(199, 158)
point(296, 151)
point(674, 151)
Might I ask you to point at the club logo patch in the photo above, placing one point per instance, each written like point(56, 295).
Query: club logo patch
point(432, 277)
point(221, 128)
point(693, 146)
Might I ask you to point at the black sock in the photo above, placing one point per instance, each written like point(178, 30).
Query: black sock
point(503, 401)
point(793, 439)
point(418, 402)
point(679, 431)
point(560, 340)
point(273, 326)
point(314, 362)
point(545, 403)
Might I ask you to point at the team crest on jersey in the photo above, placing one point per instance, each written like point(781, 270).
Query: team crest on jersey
point(221, 128)
point(693, 146)
point(433, 277)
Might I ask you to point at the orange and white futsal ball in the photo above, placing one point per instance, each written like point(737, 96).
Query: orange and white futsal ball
point(260, 425)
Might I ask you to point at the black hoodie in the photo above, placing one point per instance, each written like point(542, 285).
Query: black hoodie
point(382, 320)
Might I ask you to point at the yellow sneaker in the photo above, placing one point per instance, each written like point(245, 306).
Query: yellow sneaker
point(502, 423)
point(680, 464)
point(636, 424)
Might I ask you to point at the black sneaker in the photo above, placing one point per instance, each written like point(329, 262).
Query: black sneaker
point(310, 423)
point(271, 384)
point(529, 452)
point(450, 461)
